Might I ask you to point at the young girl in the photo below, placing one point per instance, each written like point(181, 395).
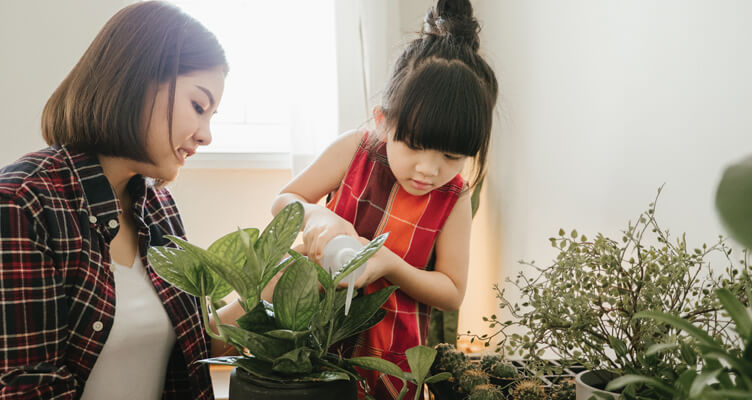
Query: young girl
point(403, 178)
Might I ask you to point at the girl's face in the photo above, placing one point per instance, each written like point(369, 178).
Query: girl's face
point(420, 171)
point(197, 95)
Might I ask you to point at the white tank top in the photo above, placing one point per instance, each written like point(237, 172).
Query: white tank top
point(133, 361)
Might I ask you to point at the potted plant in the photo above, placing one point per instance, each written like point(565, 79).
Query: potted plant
point(581, 309)
point(723, 371)
point(283, 345)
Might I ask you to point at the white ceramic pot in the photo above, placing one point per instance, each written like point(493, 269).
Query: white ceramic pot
point(588, 382)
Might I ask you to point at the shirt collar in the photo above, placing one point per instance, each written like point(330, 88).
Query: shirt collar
point(100, 196)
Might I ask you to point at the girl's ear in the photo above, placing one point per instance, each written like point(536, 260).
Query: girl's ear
point(378, 115)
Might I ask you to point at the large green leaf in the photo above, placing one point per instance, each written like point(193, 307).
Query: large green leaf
point(702, 381)
point(229, 272)
point(259, 319)
point(286, 334)
point(737, 312)
point(360, 257)
point(297, 361)
point(230, 246)
point(420, 359)
point(263, 347)
point(253, 267)
point(682, 324)
point(362, 309)
point(271, 271)
point(378, 364)
point(732, 201)
point(625, 380)
point(279, 235)
point(296, 297)
point(174, 265)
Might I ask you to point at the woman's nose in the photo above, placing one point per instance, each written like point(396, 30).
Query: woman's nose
point(203, 136)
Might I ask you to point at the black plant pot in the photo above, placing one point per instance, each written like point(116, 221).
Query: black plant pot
point(244, 386)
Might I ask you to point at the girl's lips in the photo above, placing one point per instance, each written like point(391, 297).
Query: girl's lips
point(420, 185)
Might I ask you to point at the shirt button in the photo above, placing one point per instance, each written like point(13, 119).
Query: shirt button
point(112, 267)
point(92, 219)
point(113, 223)
point(98, 326)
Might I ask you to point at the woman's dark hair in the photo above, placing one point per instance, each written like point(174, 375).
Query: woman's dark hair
point(100, 107)
point(442, 93)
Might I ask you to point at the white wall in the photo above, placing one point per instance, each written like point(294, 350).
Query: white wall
point(603, 101)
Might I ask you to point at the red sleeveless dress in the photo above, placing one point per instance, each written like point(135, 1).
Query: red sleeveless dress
point(373, 201)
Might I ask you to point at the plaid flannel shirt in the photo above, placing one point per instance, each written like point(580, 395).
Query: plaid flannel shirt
point(58, 214)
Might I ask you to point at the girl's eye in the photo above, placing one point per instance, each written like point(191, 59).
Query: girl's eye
point(413, 147)
point(453, 157)
point(198, 108)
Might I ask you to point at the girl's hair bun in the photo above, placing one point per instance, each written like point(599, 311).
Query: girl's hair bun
point(453, 19)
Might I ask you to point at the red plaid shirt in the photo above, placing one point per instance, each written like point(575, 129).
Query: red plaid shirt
point(58, 214)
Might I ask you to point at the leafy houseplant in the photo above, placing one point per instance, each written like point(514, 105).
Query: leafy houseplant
point(725, 373)
point(289, 339)
point(582, 307)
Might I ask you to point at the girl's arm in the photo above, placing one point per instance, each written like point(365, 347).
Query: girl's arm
point(443, 288)
point(320, 178)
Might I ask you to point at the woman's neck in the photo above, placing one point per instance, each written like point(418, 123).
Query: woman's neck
point(118, 172)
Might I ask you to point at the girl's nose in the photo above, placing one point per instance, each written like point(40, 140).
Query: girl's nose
point(427, 166)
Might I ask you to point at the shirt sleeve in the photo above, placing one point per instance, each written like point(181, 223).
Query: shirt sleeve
point(33, 312)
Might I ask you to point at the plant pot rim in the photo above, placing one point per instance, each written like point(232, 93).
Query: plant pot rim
point(581, 377)
point(268, 383)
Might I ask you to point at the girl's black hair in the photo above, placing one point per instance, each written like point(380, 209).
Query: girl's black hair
point(442, 93)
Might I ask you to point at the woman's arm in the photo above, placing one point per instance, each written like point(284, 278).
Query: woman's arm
point(443, 288)
point(33, 307)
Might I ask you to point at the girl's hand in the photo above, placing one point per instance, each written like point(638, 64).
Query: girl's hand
point(378, 266)
point(322, 226)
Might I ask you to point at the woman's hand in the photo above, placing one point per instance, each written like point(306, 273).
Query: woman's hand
point(322, 226)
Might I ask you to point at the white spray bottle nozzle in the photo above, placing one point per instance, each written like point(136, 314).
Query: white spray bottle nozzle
point(337, 253)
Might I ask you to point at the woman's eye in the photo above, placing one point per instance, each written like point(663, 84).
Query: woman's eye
point(198, 108)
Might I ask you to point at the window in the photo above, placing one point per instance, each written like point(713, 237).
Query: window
point(280, 96)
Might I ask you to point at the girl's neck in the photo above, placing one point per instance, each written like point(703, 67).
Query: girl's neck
point(118, 173)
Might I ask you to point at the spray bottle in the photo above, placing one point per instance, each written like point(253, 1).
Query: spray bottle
point(337, 253)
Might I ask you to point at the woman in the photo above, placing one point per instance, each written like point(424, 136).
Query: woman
point(83, 313)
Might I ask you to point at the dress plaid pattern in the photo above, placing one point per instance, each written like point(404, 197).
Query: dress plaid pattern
point(58, 214)
point(371, 198)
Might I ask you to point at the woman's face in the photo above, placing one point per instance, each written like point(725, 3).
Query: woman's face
point(197, 95)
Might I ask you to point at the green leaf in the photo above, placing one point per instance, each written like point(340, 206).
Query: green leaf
point(362, 309)
point(438, 377)
point(660, 348)
point(263, 347)
point(475, 197)
point(378, 364)
point(620, 348)
point(702, 381)
point(260, 319)
point(230, 246)
point(297, 361)
point(736, 311)
point(286, 334)
point(625, 380)
point(271, 272)
point(420, 359)
point(360, 257)
point(682, 324)
point(230, 273)
point(732, 201)
point(171, 264)
point(296, 297)
point(279, 235)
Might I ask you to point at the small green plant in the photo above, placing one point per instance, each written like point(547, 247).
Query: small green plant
point(581, 309)
point(565, 390)
point(528, 389)
point(486, 392)
point(451, 360)
point(288, 340)
point(725, 373)
point(471, 378)
point(495, 365)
